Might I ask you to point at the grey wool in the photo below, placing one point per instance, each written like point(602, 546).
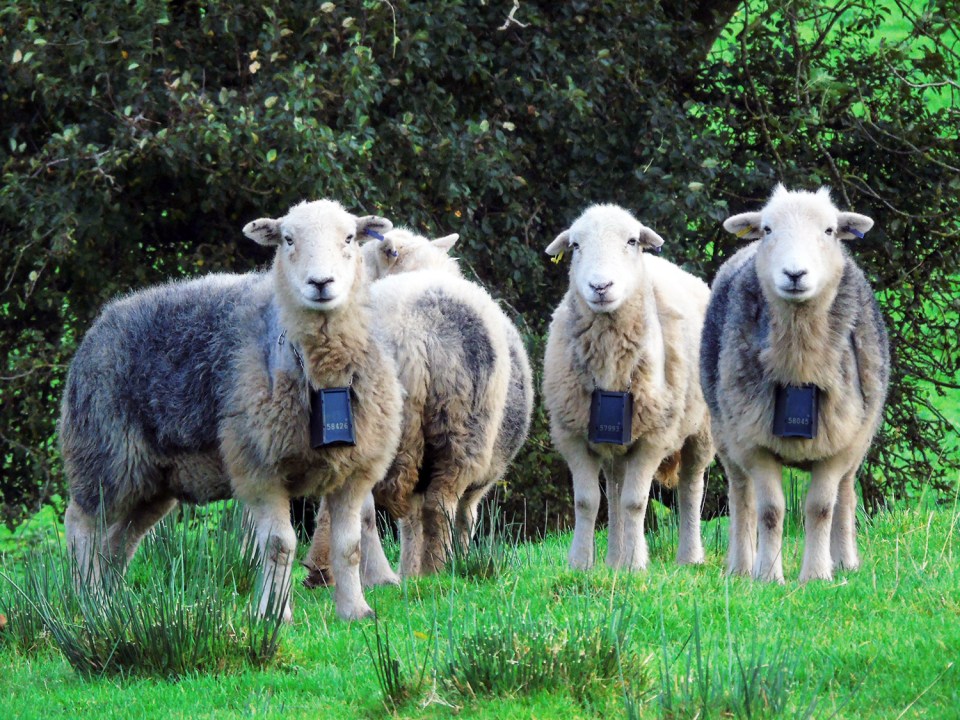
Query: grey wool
point(793, 309)
point(199, 390)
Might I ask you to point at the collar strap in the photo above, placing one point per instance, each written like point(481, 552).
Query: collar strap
point(296, 353)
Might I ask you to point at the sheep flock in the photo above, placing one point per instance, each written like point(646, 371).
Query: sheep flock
point(363, 369)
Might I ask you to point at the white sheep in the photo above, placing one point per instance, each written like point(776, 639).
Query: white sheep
point(469, 398)
point(793, 309)
point(629, 322)
point(200, 390)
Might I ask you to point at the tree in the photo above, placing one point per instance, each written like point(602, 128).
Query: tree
point(137, 141)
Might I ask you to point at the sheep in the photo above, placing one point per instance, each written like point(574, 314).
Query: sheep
point(199, 390)
point(629, 322)
point(469, 399)
point(791, 309)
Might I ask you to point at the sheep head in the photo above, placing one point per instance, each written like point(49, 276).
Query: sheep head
point(318, 255)
point(405, 251)
point(800, 256)
point(607, 245)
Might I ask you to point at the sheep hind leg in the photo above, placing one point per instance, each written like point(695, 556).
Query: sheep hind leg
point(695, 456)
point(374, 567)
point(465, 525)
point(124, 536)
point(317, 560)
point(411, 538)
point(439, 519)
point(843, 532)
point(85, 541)
point(614, 479)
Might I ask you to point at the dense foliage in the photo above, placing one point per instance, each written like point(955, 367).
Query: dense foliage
point(138, 138)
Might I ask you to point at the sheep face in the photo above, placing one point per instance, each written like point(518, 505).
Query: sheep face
point(404, 251)
point(800, 254)
point(317, 251)
point(607, 245)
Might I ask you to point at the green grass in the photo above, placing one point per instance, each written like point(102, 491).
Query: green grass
point(538, 640)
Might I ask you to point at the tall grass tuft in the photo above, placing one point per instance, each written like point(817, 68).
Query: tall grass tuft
point(184, 605)
point(513, 652)
point(492, 550)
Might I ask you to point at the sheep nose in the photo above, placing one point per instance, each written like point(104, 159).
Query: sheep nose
point(600, 288)
point(795, 276)
point(320, 284)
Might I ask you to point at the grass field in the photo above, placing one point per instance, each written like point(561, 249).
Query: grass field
point(534, 639)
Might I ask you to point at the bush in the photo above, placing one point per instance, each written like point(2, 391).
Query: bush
point(138, 139)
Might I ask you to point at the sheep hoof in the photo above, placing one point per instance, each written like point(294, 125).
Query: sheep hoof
point(386, 578)
point(580, 563)
point(360, 611)
point(318, 577)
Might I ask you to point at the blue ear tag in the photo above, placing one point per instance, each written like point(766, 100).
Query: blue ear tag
point(795, 411)
point(331, 418)
point(373, 234)
point(611, 417)
point(853, 231)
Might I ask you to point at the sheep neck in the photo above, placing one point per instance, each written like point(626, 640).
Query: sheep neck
point(331, 344)
point(620, 350)
point(804, 342)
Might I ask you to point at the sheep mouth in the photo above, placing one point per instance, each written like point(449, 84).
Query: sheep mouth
point(321, 301)
point(794, 293)
point(604, 304)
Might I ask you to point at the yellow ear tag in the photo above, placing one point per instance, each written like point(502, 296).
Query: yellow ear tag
point(557, 258)
point(744, 231)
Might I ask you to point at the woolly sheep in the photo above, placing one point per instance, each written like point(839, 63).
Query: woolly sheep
point(791, 309)
point(628, 322)
point(198, 391)
point(469, 398)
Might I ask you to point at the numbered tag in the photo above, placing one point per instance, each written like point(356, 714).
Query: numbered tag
point(795, 411)
point(331, 418)
point(611, 417)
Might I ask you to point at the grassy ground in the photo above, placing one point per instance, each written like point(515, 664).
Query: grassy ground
point(879, 643)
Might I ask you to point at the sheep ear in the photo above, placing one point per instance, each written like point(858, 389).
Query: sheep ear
point(745, 224)
point(560, 243)
point(446, 242)
point(265, 231)
point(388, 248)
point(373, 226)
point(852, 225)
point(649, 239)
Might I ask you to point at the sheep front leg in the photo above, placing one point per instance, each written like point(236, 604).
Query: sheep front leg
point(766, 476)
point(613, 472)
point(637, 478)
point(742, 550)
point(585, 469)
point(825, 479)
point(345, 506)
point(277, 544)
point(374, 567)
point(694, 458)
point(843, 533)
point(317, 560)
point(84, 538)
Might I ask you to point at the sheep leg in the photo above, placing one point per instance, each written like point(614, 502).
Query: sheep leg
point(411, 538)
point(822, 496)
point(345, 506)
point(318, 556)
point(466, 522)
point(637, 479)
point(614, 521)
point(765, 472)
point(695, 456)
point(742, 551)
point(585, 469)
point(374, 567)
point(276, 544)
point(83, 540)
point(843, 533)
point(124, 536)
point(439, 516)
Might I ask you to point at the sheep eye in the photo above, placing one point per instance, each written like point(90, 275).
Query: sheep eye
point(288, 239)
point(767, 229)
point(829, 231)
point(574, 246)
point(349, 238)
point(633, 241)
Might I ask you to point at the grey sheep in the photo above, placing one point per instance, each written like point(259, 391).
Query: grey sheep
point(198, 391)
point(793, 309)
